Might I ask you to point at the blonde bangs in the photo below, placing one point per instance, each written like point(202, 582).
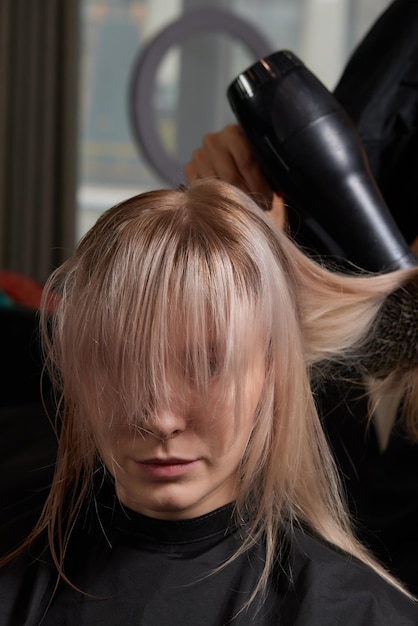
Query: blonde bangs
point(157, 299)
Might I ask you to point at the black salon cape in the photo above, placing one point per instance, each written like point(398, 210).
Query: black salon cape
point(151, 572)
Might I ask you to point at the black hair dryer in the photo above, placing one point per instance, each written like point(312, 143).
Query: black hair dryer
point(311, 152)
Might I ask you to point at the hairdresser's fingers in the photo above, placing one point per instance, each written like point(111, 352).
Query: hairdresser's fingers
point(190, 171)
point(213, 158)
point(200, 166)
point(234, 160)
point(227, 155)
point(278, 211)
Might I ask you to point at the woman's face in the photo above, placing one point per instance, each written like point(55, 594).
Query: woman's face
point(186, 464)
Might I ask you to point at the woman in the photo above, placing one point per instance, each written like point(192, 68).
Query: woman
point(193, 482)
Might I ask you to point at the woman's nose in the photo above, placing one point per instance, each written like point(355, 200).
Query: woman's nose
point(168, 423)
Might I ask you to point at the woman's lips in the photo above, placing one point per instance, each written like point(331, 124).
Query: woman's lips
point(166, 468)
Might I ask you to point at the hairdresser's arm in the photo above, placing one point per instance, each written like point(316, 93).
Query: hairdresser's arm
point(228, 156)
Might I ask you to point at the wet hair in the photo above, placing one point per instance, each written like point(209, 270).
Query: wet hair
point(205, 264)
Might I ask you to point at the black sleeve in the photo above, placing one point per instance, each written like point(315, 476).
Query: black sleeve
point(379, 91)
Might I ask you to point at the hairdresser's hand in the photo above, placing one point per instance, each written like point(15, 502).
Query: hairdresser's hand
point(228, 156)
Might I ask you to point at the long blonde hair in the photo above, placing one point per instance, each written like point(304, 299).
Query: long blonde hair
point(209, 257)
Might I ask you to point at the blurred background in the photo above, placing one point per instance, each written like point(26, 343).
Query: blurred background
point(102, 99)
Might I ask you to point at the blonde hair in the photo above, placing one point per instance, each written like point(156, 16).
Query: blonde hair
point(208, 257)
